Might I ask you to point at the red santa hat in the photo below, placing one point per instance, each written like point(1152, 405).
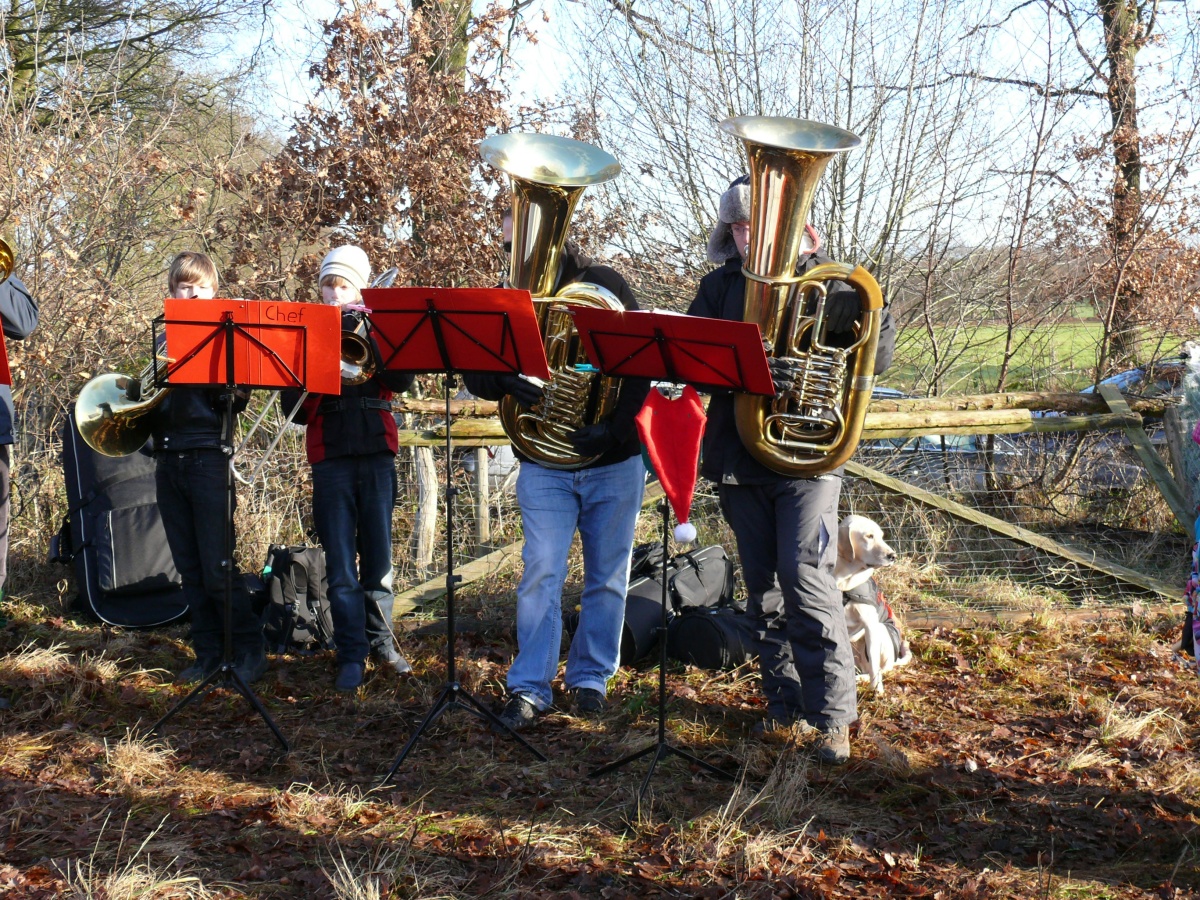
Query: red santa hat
point(670, 431)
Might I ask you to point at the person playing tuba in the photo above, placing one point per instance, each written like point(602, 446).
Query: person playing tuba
point(785, 526)
point(601, 501)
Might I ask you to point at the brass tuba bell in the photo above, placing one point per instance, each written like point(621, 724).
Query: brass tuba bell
point(814, 427)
point(549, 175)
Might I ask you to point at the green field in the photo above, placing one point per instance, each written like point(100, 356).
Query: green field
point(967, 360)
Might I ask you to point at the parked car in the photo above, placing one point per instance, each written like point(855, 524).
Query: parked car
point(1164, 378)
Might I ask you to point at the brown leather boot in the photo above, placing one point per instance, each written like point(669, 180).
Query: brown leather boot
point(833, 747)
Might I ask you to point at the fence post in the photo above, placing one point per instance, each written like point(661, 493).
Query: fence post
point(483, 520)
point(425, 526)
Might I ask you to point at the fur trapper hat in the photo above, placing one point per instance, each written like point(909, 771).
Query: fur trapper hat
point(734, 207)
point(350, 262)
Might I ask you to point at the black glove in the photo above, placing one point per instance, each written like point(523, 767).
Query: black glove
point(841, 311)
point(526, 393)
point(783, 373)
point(592, 440)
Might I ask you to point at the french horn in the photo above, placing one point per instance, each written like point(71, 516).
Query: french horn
point(814, 426)
point(112, 410)
point(549, 174)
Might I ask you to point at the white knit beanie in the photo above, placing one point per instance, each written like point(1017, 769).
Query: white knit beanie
point(350, 262)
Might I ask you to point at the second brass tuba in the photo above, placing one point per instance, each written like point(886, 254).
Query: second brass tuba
point(814, 427)
point(549, 174)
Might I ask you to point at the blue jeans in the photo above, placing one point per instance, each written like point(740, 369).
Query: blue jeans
point(190, 487)
point(603, 504)
point(353, 497)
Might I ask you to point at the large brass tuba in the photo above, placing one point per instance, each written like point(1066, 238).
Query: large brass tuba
point(814, 427)
point(548, 176)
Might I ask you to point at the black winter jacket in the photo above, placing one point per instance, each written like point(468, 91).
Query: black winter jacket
point(19, 316)
point(632, 391)
point(191, 418)
point(722, 295)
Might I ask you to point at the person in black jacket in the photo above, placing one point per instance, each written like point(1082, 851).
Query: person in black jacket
point(786, 528)
point(601, 501)
point(191, 464)
point(351, 442)
point(19, 316)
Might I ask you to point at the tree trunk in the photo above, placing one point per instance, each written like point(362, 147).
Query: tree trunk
point(1123, 38)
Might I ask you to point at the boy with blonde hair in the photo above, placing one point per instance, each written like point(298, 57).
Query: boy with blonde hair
point(192, 458)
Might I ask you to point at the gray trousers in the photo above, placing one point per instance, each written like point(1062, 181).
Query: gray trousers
point(787, 541)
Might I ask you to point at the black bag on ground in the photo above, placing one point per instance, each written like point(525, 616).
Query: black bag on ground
point(717, 639)
point(296, 614)
point(700, 579)
point(114, 536)
point(643, 617)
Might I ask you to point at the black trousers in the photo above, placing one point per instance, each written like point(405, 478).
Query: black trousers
point(191, 498)
point(787, 541)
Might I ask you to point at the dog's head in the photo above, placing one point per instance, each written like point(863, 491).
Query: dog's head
point(861, 541)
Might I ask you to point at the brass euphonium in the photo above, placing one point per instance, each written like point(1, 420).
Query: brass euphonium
point(814, 427)
point(8, 260)
point(549, 175)
point(111, 412)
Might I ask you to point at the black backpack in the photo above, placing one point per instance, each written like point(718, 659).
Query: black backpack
point(113, 535)
point(295, 614)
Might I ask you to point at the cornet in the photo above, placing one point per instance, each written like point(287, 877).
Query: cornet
point(358, 352)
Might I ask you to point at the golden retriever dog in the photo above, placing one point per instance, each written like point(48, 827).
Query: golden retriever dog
point(877, 647)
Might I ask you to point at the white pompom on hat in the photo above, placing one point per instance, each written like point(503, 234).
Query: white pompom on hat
point(349, 262)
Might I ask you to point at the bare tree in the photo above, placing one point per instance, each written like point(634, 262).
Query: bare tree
point(126, 52)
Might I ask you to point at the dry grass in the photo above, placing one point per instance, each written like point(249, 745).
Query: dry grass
point(1047, 711)
point(1091, 756)
point(128, 873)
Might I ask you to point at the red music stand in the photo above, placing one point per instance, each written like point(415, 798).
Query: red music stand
point(713, 353)
point(245, 343)
point(452, 330)
point(706, 353)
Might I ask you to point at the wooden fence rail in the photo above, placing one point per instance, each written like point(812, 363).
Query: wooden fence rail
point(1007, 413)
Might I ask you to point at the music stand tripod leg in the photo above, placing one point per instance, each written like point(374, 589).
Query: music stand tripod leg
point(452, 693)
point(662, 748)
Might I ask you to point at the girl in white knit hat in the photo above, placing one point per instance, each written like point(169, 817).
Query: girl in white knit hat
point(351, 445)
